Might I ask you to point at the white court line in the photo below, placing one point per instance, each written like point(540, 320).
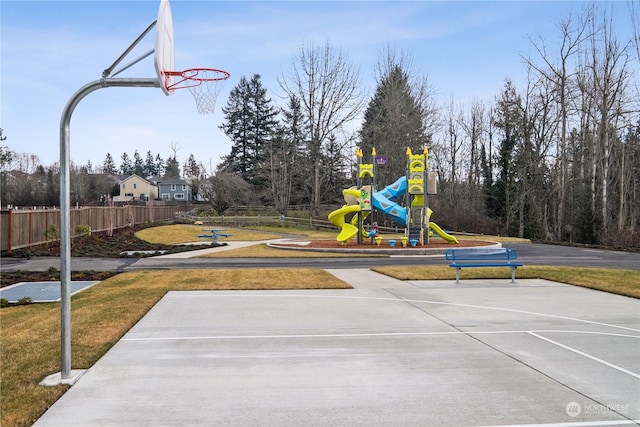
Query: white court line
point(575, 424)
point(604, 362)
point(371, 334)
point(509, 310)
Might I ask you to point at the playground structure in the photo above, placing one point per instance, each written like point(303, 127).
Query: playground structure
point(413, 188)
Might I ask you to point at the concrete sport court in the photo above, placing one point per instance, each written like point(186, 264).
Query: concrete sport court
point(386, 353)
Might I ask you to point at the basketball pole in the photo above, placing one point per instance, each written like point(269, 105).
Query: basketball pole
point(65, 210)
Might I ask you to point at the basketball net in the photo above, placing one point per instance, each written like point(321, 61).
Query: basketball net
point(204, 84)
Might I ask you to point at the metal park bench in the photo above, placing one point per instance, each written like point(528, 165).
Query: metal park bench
point(499, 257)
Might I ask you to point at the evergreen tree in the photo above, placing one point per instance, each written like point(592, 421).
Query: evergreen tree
point(150, 166)
point(509, 118)
point(191, 170)
point(126, 167)
point(336, 177)
point(109, 166)
point(159, 170)
point(191, 167)
point(52, 194)
point(392, 122)
point(250, 123)
point(172, 169)
point(291, 177)
point(138, 164)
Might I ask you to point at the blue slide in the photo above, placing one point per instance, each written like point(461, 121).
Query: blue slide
point(383, 200)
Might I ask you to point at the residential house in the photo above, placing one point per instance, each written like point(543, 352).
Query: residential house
point(175, 189)
point(135, 187)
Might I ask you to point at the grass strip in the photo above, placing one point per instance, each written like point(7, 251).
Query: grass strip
point(264, 251)
point(100, 316)
point(621, 282)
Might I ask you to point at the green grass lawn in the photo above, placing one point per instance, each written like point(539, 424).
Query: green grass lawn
point(621, 282)
point(183, 233)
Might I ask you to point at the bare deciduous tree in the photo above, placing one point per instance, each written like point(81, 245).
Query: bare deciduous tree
point(329, 89)
point(555, 68)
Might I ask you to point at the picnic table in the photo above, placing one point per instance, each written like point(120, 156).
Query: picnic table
point(214, 234)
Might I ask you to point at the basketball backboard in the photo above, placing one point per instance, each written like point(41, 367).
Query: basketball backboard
point(165, 56)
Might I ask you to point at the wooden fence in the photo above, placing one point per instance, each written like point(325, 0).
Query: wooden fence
point(28, 227)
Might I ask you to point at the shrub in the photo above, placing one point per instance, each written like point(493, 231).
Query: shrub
point(24, 301)
point(53, 272)
point(83, 230)
point(52, 232)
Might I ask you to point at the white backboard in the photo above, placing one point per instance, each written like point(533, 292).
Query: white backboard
point(165, 57)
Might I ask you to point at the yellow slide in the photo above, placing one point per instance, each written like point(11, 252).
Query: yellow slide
point(440, 232)
point(354, 222)
point(347, 231)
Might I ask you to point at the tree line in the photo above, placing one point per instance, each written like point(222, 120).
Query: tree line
point(26, 182)
point(557, 158)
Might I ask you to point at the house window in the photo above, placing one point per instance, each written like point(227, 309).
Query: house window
point(135, 186)
point(166, 196)
point(128, 194)
point(184, 187)
point(173, 187)
point(123, 185)
point(179, 196)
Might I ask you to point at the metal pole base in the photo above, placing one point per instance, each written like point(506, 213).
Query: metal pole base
point(56, 379)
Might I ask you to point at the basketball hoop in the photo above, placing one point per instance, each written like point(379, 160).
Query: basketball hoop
point(203, 83)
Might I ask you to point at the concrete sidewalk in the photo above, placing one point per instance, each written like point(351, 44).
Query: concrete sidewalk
point(229, 245)
point(387, 353)
point(363, 278)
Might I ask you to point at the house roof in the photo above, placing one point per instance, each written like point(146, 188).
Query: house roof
point(137, 176)
point(172, 181)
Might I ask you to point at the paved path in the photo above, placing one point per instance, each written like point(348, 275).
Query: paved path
point(529, 253)
point(229, 245)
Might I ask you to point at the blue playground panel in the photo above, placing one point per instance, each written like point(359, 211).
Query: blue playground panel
point(41, 291)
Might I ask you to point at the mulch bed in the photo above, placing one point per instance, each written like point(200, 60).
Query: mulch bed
point(334, 244)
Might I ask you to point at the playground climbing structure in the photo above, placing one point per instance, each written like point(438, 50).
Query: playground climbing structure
point(405, 201)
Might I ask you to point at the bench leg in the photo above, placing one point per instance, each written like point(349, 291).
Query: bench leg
point(513, 274)
point(457, 276)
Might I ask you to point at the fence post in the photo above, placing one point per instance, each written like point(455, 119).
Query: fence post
point(10, 231)
point(30, 226)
